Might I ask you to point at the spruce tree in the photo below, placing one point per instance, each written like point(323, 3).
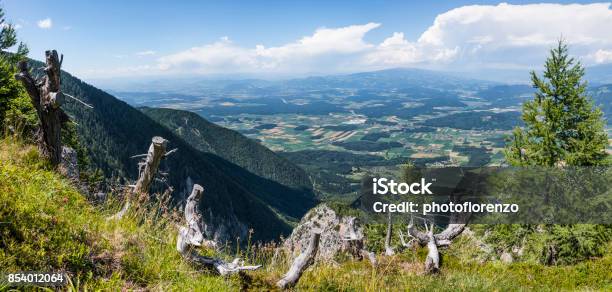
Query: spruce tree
point(562, 126)
point(15, 108)
point(8, 39)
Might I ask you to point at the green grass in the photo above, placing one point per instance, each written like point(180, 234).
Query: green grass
point(47, 225)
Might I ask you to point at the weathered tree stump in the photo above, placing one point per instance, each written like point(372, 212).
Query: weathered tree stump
point(388, 248)
point(432, 261)
point(301, 263)
point(46, 97)
point(147, 169)
point(190, 236)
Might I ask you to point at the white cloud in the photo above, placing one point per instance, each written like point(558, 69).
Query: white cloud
point(520, 33)
point(218, 56)
point(146, 53)
point(18, 26)
point(476, 36)
point(45, 23)
point(344, 40)
point(603, 56)
point(397, 51)
point(303, 55)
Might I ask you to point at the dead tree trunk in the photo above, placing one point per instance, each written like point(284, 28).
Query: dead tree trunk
point(190, 237)
point(46, 97)
point(432, 262)
point(354, 242)
point(147, 169)
point(193, 218)
point(433, 241)
point(301, 263)
point(388, 248)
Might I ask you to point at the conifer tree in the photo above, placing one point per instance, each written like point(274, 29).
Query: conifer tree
point(562, 126)
point(8, 39)
point(15, 107)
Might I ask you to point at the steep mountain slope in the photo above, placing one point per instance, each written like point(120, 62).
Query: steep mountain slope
point(232, 146)
point(236, 199)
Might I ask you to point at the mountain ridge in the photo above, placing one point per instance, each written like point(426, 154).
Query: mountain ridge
point(596, 74)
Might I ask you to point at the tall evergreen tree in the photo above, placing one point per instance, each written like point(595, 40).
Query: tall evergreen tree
point(15, 108)
point(562, 126)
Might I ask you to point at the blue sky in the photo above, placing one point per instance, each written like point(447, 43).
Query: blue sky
point(109, 39)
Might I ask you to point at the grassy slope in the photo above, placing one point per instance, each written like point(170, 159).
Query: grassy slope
point(48, 226)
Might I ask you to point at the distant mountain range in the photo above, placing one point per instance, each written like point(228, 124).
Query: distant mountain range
point(243, 190)
point(386, 79)
point(398, 77)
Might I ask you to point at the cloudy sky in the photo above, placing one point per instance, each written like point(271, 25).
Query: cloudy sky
point(112, 39)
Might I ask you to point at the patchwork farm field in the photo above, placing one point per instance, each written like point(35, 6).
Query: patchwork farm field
point(339, 128)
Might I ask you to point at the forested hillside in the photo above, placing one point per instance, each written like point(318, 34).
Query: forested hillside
point(232, 146)
point(237, 199)
point(602, 96)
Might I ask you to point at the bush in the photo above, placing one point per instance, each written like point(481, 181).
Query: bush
point(574, 243)
point(551, 244)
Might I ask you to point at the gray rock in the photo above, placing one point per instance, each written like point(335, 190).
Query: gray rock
point(99, 197)
point(69, 165)
point(506, 257)
point(338, 234)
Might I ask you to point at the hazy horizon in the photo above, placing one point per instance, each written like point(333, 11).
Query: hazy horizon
point(148, 41)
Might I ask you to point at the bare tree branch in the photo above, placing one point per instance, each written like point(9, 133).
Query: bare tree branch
point(171, 151)
point(80, 101)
